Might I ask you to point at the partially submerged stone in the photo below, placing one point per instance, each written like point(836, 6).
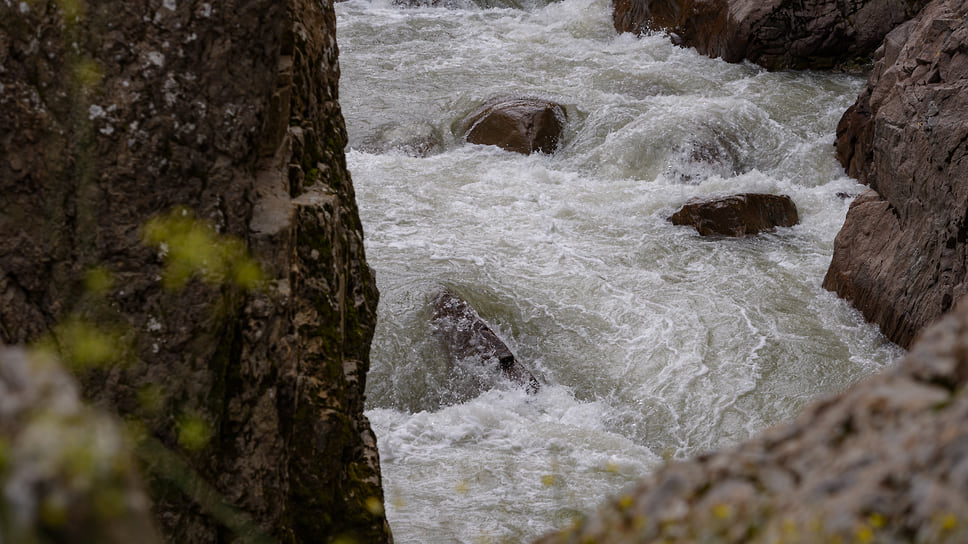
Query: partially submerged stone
point(467, 337)
point(419, 139)
point(523, 125)
point(737, 215)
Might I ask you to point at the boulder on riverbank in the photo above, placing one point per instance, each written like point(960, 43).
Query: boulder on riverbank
point(737, 215)
point(885, 461)
point(776, 34)
point(225, 115)
point(902, 254)
point(523, 125)
point(466, 337)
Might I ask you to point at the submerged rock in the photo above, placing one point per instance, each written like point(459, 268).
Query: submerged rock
point(467, 337)
point(414, 139)
point(885, 461)
point(776, 34)
point(737, 215)
point(902, 254)
point(524, 125)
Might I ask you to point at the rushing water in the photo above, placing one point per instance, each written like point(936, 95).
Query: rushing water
point(651, 341)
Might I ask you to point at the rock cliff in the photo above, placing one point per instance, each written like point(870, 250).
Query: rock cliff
point(114, 112)
point(901, 256)
point(886, 461)
point(775, 34)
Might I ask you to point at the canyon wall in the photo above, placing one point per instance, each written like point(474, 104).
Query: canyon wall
point(232, 333)
point(901, 255)
point(776, 34)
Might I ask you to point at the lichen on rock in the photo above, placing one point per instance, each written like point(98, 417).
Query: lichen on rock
point(113, 113)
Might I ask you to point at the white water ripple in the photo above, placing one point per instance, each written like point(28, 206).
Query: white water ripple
point(651, 340)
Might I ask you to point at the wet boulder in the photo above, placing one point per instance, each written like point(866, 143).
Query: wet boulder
point(524, 125)
point(737, 215)
point(466, 336)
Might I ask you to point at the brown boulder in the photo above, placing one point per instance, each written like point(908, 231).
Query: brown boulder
point(737, 215)
point(902, 254)
point(776, 34)
point(467, 337)
point(524, 125)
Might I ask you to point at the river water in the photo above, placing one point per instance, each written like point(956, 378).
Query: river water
point(650, 341)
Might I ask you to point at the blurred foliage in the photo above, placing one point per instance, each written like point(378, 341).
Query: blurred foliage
point(192, 248)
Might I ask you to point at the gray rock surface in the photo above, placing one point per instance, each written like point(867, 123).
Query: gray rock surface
point(66, 472)
point(113, 112)
point(902, 254)
point(885, 461)
point(776, 34)
point(466, 337)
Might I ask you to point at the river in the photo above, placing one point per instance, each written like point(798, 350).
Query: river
point(651, 342)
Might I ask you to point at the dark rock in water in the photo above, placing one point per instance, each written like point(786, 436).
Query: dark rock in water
point(901, 257)
point(737, 215)
point(776, 34)
point(524, 125)
point(115, 111)
point(414, 139)
point(467, 337)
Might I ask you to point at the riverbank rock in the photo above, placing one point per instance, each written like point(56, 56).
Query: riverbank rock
point(737, 215)
point(524, 125)
point(67, 473)
point(467, 337)
point(776, 34)
point(902, 254)
point(885, 461)
point(154, 158)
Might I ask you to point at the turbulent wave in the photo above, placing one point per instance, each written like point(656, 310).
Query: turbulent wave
point(652, 341)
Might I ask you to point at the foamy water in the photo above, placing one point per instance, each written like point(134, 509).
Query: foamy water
point(650, 340)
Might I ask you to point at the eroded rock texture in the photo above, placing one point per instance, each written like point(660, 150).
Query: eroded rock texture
point(775, 34)
point(901, 255)
point(113, 112)
point(886, 461)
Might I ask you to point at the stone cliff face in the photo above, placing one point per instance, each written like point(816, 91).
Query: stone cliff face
point(775, 34)
point(886, 461)
point(902, 254)
point(114, 112)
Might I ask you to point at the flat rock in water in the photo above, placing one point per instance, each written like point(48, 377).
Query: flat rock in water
point(467, 336)
point(737, 215)
point(524, 125)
